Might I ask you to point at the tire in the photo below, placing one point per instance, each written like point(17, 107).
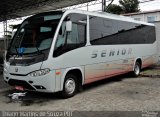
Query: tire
point(137, 69)
point(70, 86)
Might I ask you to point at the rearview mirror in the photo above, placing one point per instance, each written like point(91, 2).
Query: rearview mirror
point(69, 26)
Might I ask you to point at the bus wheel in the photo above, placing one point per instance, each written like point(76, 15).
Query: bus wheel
point(137, 69)
point(69, 86)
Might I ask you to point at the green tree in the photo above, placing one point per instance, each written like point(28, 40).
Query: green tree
point(129, 6)
point(115, 9)
point(126, 6)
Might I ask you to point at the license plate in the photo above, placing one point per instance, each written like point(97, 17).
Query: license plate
point(19, 88)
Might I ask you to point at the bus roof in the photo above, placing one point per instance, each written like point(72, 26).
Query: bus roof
point(109, 16)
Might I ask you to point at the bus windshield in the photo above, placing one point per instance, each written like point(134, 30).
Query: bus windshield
point(35, 34)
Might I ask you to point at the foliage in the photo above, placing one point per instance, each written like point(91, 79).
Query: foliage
point(115, 9)
point(126, 6)
point(129, 6)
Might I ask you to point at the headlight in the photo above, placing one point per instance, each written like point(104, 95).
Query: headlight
point(40, 72)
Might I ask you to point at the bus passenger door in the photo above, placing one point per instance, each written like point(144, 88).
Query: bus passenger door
point(95, 69)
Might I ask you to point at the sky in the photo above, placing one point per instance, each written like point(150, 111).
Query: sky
point(152, 5)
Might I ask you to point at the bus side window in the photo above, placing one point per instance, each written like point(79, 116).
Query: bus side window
point(76, 38)
point(72, 38)
point(68, 41)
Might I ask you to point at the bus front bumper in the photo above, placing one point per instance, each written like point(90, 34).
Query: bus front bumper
point(44, 83)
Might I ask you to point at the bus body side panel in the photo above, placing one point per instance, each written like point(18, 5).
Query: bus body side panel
point(110, 60)
point(151, 58)
point(113, 68)
point(118, 63)
point(148, 54)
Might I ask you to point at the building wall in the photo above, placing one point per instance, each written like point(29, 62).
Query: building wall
point(144, 17)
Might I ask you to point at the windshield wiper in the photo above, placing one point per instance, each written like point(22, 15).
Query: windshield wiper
point(40, 52)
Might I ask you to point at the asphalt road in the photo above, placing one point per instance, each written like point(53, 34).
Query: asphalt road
point(121, 93)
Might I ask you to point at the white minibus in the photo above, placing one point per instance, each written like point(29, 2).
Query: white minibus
point(60, 51)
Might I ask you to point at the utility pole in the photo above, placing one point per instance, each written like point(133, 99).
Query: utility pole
point(5, 34)
point(87, 6)
point(103, 5)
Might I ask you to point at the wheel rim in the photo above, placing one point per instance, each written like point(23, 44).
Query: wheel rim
point(137, 69)
point(70, 86)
